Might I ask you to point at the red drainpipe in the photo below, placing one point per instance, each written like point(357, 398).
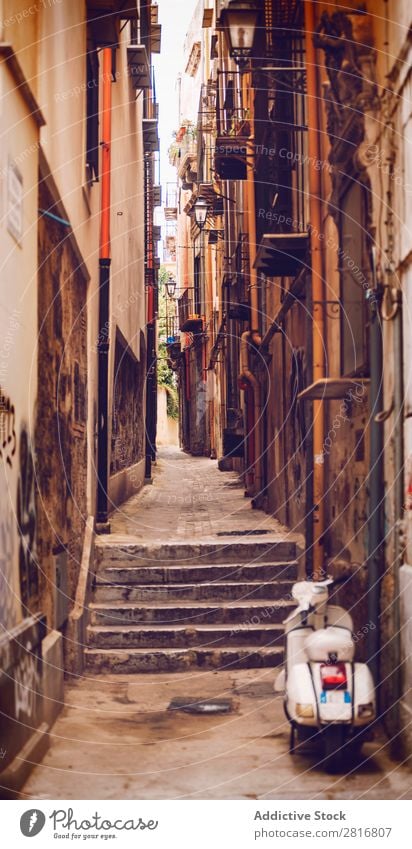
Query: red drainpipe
point(104, 295)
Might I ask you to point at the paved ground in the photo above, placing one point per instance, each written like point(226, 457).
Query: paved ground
point(116, 738)
point(191, 500)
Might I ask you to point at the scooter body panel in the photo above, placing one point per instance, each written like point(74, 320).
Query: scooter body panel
point(334, 705)
point(333, 640)
point(364, 694)
point(300, 695)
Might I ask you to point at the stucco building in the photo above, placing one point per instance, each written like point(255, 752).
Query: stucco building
point(303, 162)
point(77, 322)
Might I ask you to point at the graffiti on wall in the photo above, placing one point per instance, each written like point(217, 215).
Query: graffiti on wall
point(8, 444)
point(8, 440)
point(26, 683)
point(26, 523)
point(8, 612)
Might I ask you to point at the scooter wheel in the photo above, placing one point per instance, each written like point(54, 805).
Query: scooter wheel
point(335, 749)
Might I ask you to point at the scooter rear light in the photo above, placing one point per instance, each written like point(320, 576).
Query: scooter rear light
point(333, 676)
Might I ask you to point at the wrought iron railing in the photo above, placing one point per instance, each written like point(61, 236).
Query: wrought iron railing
point(282, 160)
point(171, 196)
point(189, 309)
point(232, 117)
point(172, 327)
point(206, 130)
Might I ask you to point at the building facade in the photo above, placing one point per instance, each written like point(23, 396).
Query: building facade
point(78, 314)
point(296, 295)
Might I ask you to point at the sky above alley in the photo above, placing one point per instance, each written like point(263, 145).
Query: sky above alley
point(175, 16)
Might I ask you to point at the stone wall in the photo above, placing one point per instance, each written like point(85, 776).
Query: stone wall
point(61, 438)
point(127, 443)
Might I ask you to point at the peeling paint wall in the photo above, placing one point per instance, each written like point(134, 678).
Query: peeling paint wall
point(61, 428)
point(18, 354)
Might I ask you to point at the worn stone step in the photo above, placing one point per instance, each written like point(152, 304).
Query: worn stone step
point(183, 636)
point(218, 591)
point(224, 550)
point(178, 660)
point(190, 613)
point(197, 574)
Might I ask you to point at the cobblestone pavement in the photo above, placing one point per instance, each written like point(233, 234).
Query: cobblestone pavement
point(190, 500)
point(115, 737)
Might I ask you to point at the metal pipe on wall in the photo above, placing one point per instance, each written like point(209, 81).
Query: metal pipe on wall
point(399, 494)
point(318, 296)
point(104, 298)
point(252, 336)
point(376, 476)
point(246, 374)
point(394, 297)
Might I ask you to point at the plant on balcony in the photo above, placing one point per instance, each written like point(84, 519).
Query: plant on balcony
point(238, 126)
point(187, 129)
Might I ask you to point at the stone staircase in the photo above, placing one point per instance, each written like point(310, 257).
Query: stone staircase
point(170, 607)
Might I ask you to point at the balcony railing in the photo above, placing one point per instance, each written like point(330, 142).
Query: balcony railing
point(183, 154)
point(233, 127)
point(189, 311)
point(283, 178)
point(171, 202)
point(172, 329)
point(206, 131)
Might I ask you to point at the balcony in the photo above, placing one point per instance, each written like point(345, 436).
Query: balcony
point(233, 144)
point(282, 254)
point(124, 9)
point(189, 312)
point(151, 142)
point(281, 168)
point(156, 37)
point(183, 154)
point(157, 195)
point(104, 18)
point(171, 202)
point(139, 67)
point(172, 324)
point(157, 232)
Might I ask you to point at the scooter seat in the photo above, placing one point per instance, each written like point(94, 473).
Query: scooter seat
point(328, 641)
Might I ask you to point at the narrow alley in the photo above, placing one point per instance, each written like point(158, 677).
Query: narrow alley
point(205, 405)
point(123, 735)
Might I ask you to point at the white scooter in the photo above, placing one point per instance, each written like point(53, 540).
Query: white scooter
point(326, 691)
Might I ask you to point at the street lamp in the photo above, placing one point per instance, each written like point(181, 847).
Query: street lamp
point(171, 286)
point(239, 20)
point(201, 212)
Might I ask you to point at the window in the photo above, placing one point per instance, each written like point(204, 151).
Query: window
point(92, 118)
point(354, 269)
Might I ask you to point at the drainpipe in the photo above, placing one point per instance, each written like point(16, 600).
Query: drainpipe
point(399, 496)
point(246, 374)
point(318, 297)
point(252, 337)
point(104, 301)
point(394, 300)
point(376, 476)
